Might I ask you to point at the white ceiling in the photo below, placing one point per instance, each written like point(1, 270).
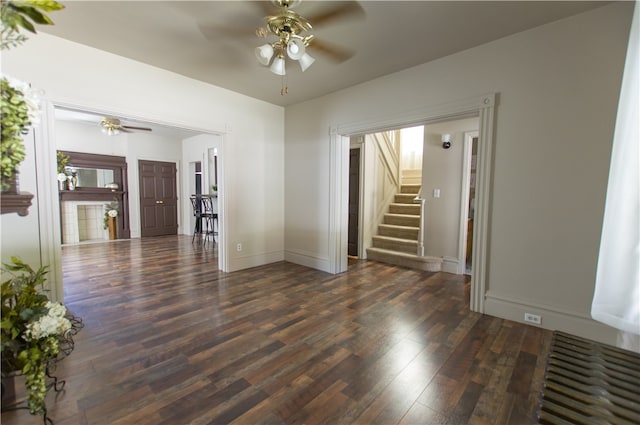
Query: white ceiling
point(214, 41)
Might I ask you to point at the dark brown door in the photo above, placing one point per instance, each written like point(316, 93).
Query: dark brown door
point(354, 201)
point(158, 198)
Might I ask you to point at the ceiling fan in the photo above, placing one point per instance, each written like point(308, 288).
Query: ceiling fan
point(291, 28)
point(112, 126)
point(293, 37)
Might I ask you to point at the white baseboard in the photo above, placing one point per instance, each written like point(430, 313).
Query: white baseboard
point(254, 260)
point(450, 265)
point(308, 259)
point(553, 319)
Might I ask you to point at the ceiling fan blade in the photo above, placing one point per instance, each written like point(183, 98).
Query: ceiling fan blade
point(129, 127)
point(335, 53)
point(344, 9)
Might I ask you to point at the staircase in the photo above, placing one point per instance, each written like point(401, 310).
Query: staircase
point(397, 238)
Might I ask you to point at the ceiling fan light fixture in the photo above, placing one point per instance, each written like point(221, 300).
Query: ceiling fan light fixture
point(264, 54)
point(296, 48)
point(305, 61)
point(110, 126)
point(110, 131)
point(277, 67)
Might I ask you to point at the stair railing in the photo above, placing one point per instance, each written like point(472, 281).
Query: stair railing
point(422, 201)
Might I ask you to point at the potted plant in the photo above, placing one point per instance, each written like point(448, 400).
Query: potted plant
point(19, 104)
point(110, 214)
point(63, 160)
point(32, 330)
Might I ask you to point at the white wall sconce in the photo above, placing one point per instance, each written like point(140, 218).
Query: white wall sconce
point(446, 140)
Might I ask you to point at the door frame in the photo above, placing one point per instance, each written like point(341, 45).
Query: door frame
point(48, 205)
point(481, 106)
point(358, 144)
point(177, 185)
point(464, 200)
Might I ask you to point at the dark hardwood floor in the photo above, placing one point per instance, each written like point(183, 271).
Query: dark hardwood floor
point(170, 340)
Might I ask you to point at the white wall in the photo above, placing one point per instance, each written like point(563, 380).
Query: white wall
point(558, 88)
point(443, 170)
point(20, 235)
point(253, 131)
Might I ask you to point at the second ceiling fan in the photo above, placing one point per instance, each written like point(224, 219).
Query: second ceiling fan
point(112, 126)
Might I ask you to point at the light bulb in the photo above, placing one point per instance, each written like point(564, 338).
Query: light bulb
point(296, 48)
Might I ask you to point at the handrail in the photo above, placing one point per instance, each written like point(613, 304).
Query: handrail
point(422, 201)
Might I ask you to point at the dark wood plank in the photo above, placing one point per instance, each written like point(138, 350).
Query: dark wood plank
point(169, 339)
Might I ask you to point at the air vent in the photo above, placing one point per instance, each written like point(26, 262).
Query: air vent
point(589, 383)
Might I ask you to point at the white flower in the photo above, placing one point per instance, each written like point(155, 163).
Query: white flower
point(53, 323)
point(62, 177)
point(112, 213)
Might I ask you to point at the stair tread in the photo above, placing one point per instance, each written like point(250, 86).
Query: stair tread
point(397, 226)
point(396, 239)
point(403, 215)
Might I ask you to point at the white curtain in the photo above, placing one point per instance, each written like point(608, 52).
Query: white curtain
point(616, 300)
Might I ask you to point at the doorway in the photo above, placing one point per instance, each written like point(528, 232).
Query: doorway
point(469, 199)
point(354, 202)
point(482, 107)
point(158, 198)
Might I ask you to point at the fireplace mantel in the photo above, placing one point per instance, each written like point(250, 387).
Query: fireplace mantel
point(102, 194)
point(90, 194)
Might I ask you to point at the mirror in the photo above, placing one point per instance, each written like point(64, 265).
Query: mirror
point(92, 177)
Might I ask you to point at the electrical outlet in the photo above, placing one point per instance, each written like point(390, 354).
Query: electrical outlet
point(533, 318)
point(239, 247)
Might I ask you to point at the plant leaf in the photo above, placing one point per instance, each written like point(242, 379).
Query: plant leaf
point(46, 5)
point(35, 15)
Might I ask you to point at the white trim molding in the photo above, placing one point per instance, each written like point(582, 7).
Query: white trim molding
point(552, 318)
point(481, 106)
point(338, 201)
point(48, 201)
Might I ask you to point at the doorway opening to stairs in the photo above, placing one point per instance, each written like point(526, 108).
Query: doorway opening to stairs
point(341, 136)
point(411, 199)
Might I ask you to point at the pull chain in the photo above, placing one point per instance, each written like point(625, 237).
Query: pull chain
point(284, 90)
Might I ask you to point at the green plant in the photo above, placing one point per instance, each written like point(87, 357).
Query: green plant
point(63, 160)
point(19, 106)
point(23, 14)
point(14, 123)
point(31, 326)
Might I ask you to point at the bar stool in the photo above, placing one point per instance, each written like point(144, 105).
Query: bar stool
point(210, 217)
point(196, 204)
